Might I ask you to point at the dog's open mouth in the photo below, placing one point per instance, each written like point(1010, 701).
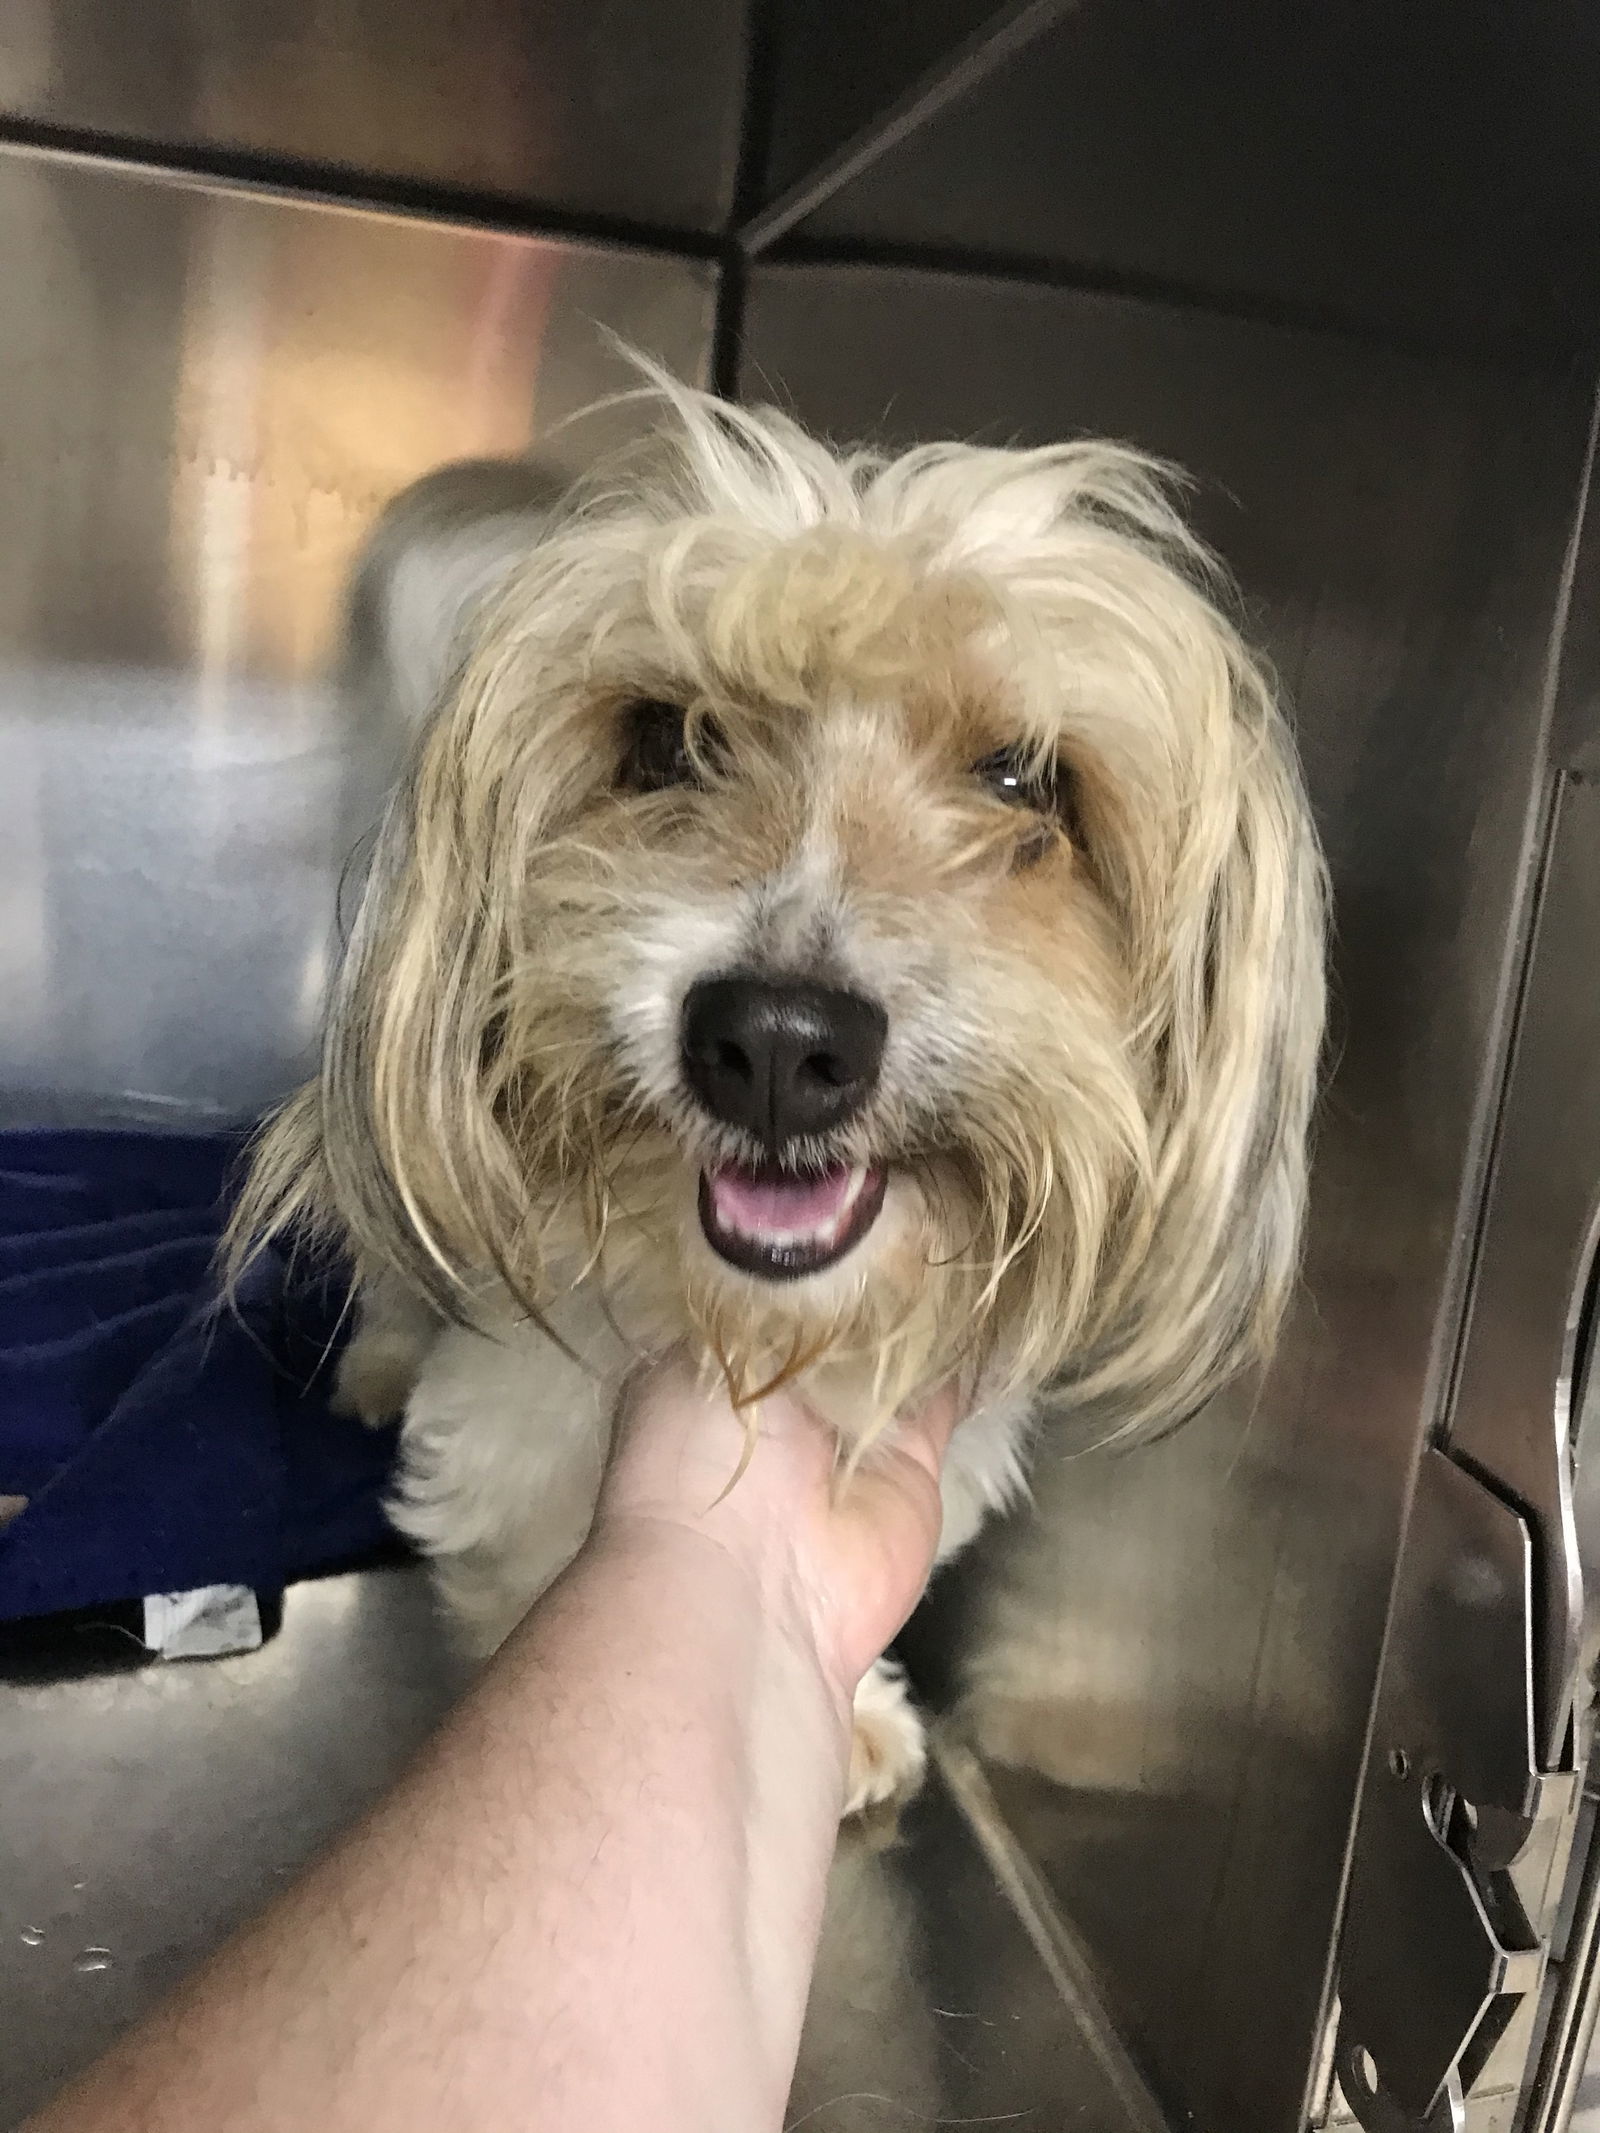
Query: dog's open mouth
point(784, 1223)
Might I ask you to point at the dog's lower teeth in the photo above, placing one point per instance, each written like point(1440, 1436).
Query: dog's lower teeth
point(737, 1207)
point(791, 1236)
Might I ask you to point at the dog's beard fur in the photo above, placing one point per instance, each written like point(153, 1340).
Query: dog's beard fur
point(1102, 1024)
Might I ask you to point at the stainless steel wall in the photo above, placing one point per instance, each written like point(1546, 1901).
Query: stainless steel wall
point(206, 395)
point(626, 108)
point(1427, 173)
point(1174, 1655)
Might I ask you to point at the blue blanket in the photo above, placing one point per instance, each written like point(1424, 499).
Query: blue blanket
point(161, 1441)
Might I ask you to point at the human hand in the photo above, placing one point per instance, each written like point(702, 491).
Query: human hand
point(847, 1558)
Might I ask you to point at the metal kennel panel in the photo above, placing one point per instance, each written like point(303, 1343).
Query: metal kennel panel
point(208, 394)
point(1426, 173)
point(622, 108)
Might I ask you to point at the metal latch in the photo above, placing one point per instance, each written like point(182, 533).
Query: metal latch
point(1437, 1950)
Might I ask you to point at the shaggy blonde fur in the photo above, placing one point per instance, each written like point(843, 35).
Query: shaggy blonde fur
point(1103, 1020)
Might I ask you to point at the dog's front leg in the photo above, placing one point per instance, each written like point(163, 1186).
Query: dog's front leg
point(983, 1471)
point(888, 1745)
point(501, 1456)
point(395, 1329)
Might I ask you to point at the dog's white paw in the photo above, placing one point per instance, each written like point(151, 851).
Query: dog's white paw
point(888, 1750)
point(377, 1375)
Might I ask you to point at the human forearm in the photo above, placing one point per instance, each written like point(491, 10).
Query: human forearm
point(700, 1784)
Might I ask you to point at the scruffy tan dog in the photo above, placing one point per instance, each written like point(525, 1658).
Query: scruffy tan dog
point(856, 916)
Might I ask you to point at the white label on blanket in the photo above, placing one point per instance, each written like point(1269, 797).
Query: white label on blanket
point(207, 1623)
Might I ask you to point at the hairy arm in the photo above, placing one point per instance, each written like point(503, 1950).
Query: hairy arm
point(594, 1901)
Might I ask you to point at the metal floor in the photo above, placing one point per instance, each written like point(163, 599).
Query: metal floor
point(147, 1808)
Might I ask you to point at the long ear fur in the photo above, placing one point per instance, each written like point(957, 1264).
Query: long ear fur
point(420, 968)
point(1229, 927)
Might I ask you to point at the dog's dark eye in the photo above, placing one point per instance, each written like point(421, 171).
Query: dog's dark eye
point(1016, 776)
point(655, 748)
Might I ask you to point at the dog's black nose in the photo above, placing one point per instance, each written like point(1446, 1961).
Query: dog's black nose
point(779, 1059)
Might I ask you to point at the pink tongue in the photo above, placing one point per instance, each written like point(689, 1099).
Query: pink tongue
point(750, 1200)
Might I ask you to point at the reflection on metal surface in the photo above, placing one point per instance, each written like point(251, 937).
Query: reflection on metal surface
point(149, 1812)
point(938, 2000)
point(629, 108)
point(870, 2051)
point(1065, 1959)
point(209, 396)
point(1171, 1662)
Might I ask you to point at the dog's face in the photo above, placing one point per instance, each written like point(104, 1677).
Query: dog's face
point(818, 1009)
point(863, 915)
